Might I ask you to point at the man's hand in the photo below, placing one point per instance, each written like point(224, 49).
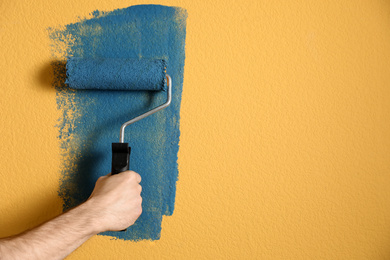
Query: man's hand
point(114, 204)
point(116, 201)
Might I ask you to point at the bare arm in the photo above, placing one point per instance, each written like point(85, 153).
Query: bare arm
point(114, 204)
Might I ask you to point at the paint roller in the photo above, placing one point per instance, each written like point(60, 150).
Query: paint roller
point(120, 74)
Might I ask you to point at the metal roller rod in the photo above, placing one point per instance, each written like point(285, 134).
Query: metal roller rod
point(135, 119)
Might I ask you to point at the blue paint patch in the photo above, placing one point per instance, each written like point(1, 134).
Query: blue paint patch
point(91, 118)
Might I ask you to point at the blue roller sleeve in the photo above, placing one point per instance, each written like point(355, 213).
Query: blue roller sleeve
point(116, 74)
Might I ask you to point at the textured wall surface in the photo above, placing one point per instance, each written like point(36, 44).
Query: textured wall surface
point(285, 134)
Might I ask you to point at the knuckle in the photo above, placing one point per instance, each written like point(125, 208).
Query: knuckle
point(131, 177)
point(135, 175)
point(127, 176)
point(131, 174)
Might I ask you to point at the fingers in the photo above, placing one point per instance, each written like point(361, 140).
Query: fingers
point(138, 177)
point(135, 175)
point(104, 176)
point(129, 174)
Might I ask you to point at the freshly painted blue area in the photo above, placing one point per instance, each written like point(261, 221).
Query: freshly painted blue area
point(116, 74)
point(137, 32)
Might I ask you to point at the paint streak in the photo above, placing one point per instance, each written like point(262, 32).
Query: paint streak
point(91, 119)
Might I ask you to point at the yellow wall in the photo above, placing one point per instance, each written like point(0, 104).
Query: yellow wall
point(285, 120)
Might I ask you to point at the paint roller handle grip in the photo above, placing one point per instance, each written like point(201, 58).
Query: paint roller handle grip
point(120, 159)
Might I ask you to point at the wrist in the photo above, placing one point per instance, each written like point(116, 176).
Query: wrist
point(90, 217)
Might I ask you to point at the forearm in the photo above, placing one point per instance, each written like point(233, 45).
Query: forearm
point(114, 204)
point(54, 239)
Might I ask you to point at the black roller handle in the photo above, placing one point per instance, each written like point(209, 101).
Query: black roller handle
point(120, 158)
